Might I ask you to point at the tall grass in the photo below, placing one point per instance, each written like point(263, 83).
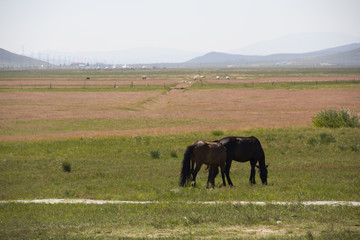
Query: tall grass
point(331, 118)
point(305, 164)
point(176, 221)
point(302, 163)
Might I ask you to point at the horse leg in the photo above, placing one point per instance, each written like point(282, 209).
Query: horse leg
point(192, 168)
point(212, 175)
point(227, 172)
point(216, 171)
point(252, 172)
point(197, 169)
point(209, 176)
point(223, 175)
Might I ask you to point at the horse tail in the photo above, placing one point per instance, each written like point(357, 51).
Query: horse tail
point(186, 171)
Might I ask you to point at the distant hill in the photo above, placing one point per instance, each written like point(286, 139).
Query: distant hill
point(297, 43)
point(12, 60)
point(342, 55)
point(351, 57)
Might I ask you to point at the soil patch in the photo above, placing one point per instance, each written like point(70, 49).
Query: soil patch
point(209, 109)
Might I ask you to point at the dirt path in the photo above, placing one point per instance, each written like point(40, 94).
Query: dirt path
point(162, 100)
point(99, 202)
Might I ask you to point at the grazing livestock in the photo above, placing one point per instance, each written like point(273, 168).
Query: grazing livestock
point(212, 154)
point(243, 149)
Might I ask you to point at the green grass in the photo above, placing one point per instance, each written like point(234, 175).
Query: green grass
point(306, 163)
point(248, 73)
point(303, 166)
point(61, 221)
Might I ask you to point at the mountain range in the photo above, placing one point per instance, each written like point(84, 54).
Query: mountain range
point(347, 55)
point(342, 55)
point(297, 43)
point(12, 60)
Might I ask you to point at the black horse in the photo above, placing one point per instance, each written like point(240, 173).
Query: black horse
point(243, 149)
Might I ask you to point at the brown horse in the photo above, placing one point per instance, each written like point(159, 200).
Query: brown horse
point(212, 154)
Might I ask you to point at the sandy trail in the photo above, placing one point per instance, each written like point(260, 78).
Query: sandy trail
point(99, 202)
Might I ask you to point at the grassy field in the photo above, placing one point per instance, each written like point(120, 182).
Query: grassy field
point(280, 85)
point(306, 163)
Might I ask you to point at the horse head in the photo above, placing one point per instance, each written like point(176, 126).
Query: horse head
point(263, 173)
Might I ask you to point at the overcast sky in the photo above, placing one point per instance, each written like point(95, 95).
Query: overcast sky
point(194, 25)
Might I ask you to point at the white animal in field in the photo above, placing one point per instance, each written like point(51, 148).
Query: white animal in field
point(144, 77)
point(227, 77)
point(217, 78)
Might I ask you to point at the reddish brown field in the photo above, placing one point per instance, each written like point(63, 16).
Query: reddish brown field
point(109, 82)
point(205, 109)
point(30, 110)
point(74, 83)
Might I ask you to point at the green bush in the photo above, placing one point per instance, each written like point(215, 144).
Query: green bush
point(331, 118)
point(155, 154)
point(326, 138)
point(312, 141)
point(66, 166)
point(174, 154)
point(217, 132)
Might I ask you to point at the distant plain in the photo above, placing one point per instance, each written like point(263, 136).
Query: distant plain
point(106, 128)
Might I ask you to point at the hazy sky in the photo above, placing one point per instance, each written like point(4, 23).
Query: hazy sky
point(194, 25)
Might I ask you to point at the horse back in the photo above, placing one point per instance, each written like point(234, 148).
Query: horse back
point(243, 149)
point(210, 153)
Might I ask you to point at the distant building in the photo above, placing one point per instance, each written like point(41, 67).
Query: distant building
point(78, 64)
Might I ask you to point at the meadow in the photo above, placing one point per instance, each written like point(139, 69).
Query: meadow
point(121, 147)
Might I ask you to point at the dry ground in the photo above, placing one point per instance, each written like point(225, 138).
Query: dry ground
point(209, 109)
point(109, 82)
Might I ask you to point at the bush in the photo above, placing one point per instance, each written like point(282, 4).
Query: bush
point(312, 141)
point(155, 154)
point(326, 138)
point(217, 133)
point(336, 119)
point(66, 166)
point(174, 154)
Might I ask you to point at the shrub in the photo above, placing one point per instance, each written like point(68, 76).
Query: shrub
point(326, 138)
point(155, 154)
point(312, 141)
point(174, 154)
point(336, 119)
point(66, 166)
point(354, 148)
point(217, 132)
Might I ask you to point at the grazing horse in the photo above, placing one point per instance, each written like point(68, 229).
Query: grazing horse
point(243, 149)
point(212, 154)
